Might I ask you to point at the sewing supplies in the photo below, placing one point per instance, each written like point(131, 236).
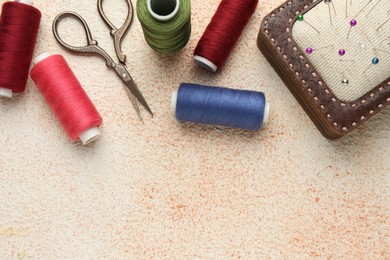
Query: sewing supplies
point(223, 32)
point(66, 97)
point(220, 106)
point(19, 24)
point(166, 24)
point(343, 84)
point(92, 48)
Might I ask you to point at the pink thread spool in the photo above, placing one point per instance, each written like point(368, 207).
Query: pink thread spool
point(66, 97)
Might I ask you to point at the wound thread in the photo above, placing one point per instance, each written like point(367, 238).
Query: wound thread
point(243, 109)
point(19, 24)
point(223, 32)
point(166, 24)
point(66, 98)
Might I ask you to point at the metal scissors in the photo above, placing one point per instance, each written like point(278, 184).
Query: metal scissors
point(92, 48)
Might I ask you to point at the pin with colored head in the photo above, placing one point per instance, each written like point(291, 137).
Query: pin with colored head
point(352, 23)
point(328, 2)
point(374, 62)
point(345, 82)
point(310, 50)
point(300, 18)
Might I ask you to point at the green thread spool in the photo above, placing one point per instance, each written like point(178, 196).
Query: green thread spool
point(166, 23)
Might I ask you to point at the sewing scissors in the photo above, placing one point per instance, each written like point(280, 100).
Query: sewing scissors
point(92, 48)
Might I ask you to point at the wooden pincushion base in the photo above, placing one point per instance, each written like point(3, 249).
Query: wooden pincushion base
point(332, 116)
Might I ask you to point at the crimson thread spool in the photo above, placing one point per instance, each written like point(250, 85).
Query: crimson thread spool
point(66, 97)
point(223, 32)
point(19, 24)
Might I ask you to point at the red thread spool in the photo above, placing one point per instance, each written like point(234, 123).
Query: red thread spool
point(19, 24)
point(222, 33)
point(66, 98)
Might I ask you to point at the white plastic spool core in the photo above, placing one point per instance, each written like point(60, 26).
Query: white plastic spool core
point(5, 93)
point(163, 10)
point(266, 112)
point(41, 58)
point(27, 2)
point(205, 63)
point(90, 135)
point(174, 102)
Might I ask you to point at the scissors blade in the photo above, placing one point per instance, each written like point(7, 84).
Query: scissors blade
point(132, 87)
point(134, 101)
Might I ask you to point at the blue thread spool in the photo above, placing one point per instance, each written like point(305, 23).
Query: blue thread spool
point(220, 106)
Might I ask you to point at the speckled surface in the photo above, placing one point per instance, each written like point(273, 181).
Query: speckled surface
point(164, 190)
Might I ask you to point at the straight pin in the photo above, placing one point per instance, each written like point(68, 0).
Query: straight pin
point(388, 19)
point(310, 50)
point(301, 19)
point(364, 7)
point(344, 80)
point(374, 62)
point(386, 39)
point(375, 49)
point(325, 47)
point(373, 7)
point(328, 3)
point(330, 12)
point(352, 23)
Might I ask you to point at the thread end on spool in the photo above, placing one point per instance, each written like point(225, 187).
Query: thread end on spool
point(174, 102)
point(41, 58)
point(163, 10)
point(266, 112)
point(90, 135)
point(26, 2)
point(205, 63)
point(5, 93)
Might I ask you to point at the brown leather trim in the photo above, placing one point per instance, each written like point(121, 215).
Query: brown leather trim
point(333, 117)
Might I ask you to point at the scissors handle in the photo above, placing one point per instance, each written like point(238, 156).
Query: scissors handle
point(92, 46)
point(118, 33)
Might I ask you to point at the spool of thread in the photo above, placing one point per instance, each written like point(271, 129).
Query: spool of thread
point(19, 24)
point(66, 98)
point(222, 33)
point(220, 106)
point(166, 24)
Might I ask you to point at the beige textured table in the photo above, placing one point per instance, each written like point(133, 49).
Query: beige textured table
point(164, 190)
